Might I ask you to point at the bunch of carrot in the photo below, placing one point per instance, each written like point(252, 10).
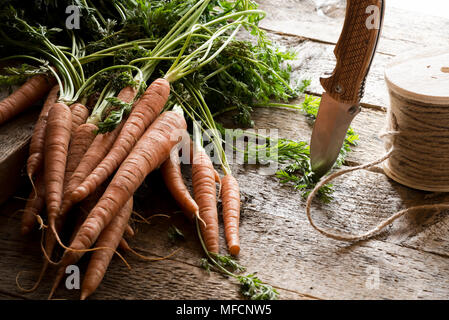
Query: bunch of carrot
point(67, 163)
point(71, 159)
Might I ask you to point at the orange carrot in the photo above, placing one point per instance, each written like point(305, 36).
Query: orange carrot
point(217, 176)
point(37, 144)
point(34, 89)
point(171, 173)
point(129, 231)
point(79, 115)
point(230, 196)
point(110, 237)
point(204, 190)
point(142, 115)
point(124, 245)
point(35, 204)
point(93, 156)
point(57, 140)
point(149, 153)
point(81, 141)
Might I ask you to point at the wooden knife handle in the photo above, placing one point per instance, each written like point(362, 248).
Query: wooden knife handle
point(355, 50)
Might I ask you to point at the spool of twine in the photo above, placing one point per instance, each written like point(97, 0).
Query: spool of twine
point(418, 121)
point(417, 133)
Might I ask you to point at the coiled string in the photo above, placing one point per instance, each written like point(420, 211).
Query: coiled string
point(417, 138)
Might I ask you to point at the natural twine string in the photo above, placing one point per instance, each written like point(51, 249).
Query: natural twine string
point(422, 143)
point(418, 156)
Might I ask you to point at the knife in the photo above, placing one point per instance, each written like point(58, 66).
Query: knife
point(344, 89)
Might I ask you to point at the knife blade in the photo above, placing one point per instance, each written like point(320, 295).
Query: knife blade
point(344, 89)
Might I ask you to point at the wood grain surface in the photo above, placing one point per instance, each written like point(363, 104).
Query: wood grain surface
point(409, 260)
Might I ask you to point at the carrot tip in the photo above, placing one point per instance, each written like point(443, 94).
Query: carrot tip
point(77, 195)
point(59, 276)
point(41, 222)
point(84, 295)
point(234, 250)
point(30, 176)
point(197, 214)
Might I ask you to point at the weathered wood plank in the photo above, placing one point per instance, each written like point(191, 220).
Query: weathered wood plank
point(9, 296)
point(279, 243)
point(403, 30)
point(14, 138)
point(361, 201)
point(166, 279)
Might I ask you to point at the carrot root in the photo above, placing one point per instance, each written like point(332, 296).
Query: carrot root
point(34, 89)
point(231, 212)
point(129, 231)
point(204, 190)
point(57, 141)
point(37, 143)
point(81, 141)
point(172, 176)
point(35, 204)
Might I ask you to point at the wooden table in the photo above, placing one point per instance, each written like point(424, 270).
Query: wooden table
point(409, 260)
